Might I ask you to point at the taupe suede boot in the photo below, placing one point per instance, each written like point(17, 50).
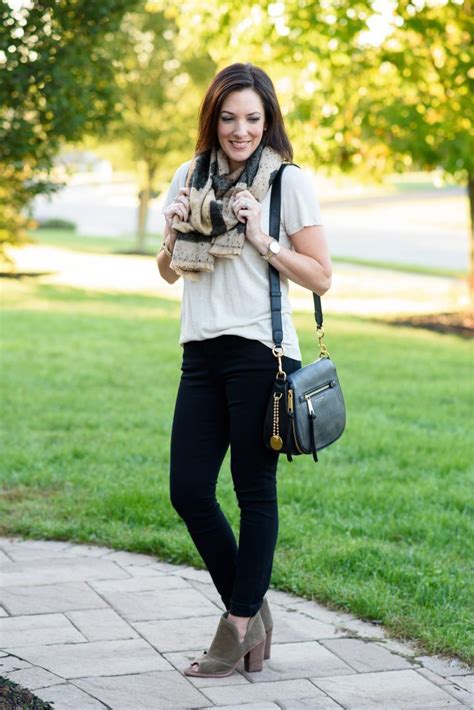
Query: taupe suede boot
point(226, 650)
point(266, 615)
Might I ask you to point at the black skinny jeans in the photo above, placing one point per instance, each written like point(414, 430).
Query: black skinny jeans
point(222, 399)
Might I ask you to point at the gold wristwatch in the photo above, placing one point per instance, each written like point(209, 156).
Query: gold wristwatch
point(273, 249)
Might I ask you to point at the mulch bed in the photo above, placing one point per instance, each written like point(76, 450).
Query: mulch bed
point(12, 697)
point(461, 323)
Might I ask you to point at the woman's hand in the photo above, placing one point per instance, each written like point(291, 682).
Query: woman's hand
point(247, 209)
point(178, 208)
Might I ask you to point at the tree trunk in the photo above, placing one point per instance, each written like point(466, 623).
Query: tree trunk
point(144, 197)
point(470, 192)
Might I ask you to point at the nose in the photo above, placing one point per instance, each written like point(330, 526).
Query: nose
point(240, 130)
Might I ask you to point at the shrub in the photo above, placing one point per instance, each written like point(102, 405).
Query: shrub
point(56, 223)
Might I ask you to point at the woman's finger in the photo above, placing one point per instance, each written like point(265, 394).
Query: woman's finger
point(182, 200)
point(181, 211)
point(178, 210)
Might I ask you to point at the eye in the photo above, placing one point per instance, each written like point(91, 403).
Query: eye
point(253, 119)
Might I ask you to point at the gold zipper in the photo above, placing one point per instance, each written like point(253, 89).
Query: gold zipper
point(290, 410)
point(290, 401)
point(296, 438)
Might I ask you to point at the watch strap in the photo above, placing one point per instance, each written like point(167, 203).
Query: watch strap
point(269, 253)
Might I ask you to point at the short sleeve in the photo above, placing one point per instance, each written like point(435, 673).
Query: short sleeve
point(178, 181)
point(299, 202)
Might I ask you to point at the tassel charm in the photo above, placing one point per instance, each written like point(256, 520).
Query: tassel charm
point(276, 442)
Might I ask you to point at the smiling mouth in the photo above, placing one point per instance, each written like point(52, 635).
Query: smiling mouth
point(240, 144)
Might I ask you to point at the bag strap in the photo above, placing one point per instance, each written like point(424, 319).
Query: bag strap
point(274, 274)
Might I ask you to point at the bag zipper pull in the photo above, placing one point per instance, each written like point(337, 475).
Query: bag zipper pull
point(311, 411)
point(290, 401)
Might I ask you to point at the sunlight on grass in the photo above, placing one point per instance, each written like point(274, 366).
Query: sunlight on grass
point(68, 239)
point(26, 295)
point(380, 526)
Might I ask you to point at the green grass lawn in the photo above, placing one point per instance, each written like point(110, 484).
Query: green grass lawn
point(380, 526)
point(68, 239)
point(398, 266)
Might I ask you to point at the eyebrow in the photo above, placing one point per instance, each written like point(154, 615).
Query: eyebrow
point(249, 114)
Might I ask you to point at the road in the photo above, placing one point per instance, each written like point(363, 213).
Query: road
point(429, 229)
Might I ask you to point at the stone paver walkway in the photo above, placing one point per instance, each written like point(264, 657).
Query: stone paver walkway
point(89, 627)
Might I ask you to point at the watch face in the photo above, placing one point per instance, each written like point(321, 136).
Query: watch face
point(275, 247)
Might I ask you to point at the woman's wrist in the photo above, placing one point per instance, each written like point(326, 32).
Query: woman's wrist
point(168, 246)
point(262, 243)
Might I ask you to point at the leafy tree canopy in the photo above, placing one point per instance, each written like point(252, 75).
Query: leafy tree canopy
point(56, 83)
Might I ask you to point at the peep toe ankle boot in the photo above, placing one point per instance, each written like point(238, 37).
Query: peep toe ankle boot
point(266, 615)
point(226, 650)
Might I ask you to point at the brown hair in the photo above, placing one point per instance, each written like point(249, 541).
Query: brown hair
point(237, 77)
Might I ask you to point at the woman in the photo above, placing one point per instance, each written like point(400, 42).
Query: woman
point(216, 236)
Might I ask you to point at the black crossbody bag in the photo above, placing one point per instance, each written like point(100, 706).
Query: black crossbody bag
point(306, 411)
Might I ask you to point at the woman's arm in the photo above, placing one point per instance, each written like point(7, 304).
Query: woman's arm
point(164, 260)
point(309, 265)
point(178, 208)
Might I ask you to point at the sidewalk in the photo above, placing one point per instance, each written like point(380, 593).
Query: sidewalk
point(88, 628)
point(356, 290)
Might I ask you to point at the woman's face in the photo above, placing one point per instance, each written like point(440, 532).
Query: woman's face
point(240, 125)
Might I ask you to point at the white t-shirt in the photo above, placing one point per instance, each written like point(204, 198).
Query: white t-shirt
point(234, 299)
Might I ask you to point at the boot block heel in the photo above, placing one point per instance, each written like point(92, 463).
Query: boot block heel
point(253, 660)
point(268, 644)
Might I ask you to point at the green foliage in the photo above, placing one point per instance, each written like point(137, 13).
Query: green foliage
point(17, 188)
point(56, 83)
point(56, 223)
point(355, 102)
point(352, 102)
point(428, 114)
point(379, 527)
point(160, 95)
point(14, 697)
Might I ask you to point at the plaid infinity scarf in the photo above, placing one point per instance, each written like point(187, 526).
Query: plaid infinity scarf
point(212, 229)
